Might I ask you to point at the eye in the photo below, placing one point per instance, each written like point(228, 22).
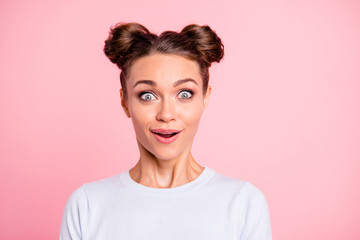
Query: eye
point(185, 94)
point(147, 96)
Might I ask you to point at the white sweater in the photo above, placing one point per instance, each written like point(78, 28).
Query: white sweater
point(212, 206)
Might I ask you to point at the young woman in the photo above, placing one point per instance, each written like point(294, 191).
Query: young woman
point(167, 194)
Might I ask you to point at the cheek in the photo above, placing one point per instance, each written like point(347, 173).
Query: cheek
point(140, 115)
point(192, 114)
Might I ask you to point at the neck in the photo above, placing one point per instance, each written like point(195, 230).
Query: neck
point(153, 172)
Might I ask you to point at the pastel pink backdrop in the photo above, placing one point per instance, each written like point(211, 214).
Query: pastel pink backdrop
point(284, 113)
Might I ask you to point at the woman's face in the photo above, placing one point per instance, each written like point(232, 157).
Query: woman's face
point(165, 102)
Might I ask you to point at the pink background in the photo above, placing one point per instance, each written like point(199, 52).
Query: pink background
point(284, 113)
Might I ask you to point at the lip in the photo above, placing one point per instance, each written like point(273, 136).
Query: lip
point(165, 140)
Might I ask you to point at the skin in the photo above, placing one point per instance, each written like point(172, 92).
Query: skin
point(169, 107)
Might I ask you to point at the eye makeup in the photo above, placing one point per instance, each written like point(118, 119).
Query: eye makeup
point(191, 92)
point(151, 95)
point(142, 93)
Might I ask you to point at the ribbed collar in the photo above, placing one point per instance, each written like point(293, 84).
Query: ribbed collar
point(206, 174)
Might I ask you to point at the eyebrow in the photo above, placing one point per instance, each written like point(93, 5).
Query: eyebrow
point(177, 83)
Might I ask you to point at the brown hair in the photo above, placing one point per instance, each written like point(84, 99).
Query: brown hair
point(131, 41)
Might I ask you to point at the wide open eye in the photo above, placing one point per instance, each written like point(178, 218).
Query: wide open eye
point(185, 94)
point(147, 96)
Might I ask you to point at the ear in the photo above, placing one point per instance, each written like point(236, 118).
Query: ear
point(124, 103)
point(207, 96)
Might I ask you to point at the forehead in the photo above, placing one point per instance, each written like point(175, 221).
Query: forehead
point(164, 68)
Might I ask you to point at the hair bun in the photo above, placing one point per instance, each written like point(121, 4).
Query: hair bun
point(207, 42)
point(121, 39)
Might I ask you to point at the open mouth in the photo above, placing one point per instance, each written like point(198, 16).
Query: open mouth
point(165, 135)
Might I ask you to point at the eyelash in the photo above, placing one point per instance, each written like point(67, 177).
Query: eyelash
point(143, 93)
point(182, 90)
point(187, 90)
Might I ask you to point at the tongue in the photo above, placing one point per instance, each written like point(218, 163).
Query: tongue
point(165, 135)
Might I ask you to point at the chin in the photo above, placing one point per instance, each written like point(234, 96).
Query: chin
point(165, 155)
point(163, 152)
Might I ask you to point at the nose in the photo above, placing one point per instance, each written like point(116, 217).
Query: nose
point(166, 111)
